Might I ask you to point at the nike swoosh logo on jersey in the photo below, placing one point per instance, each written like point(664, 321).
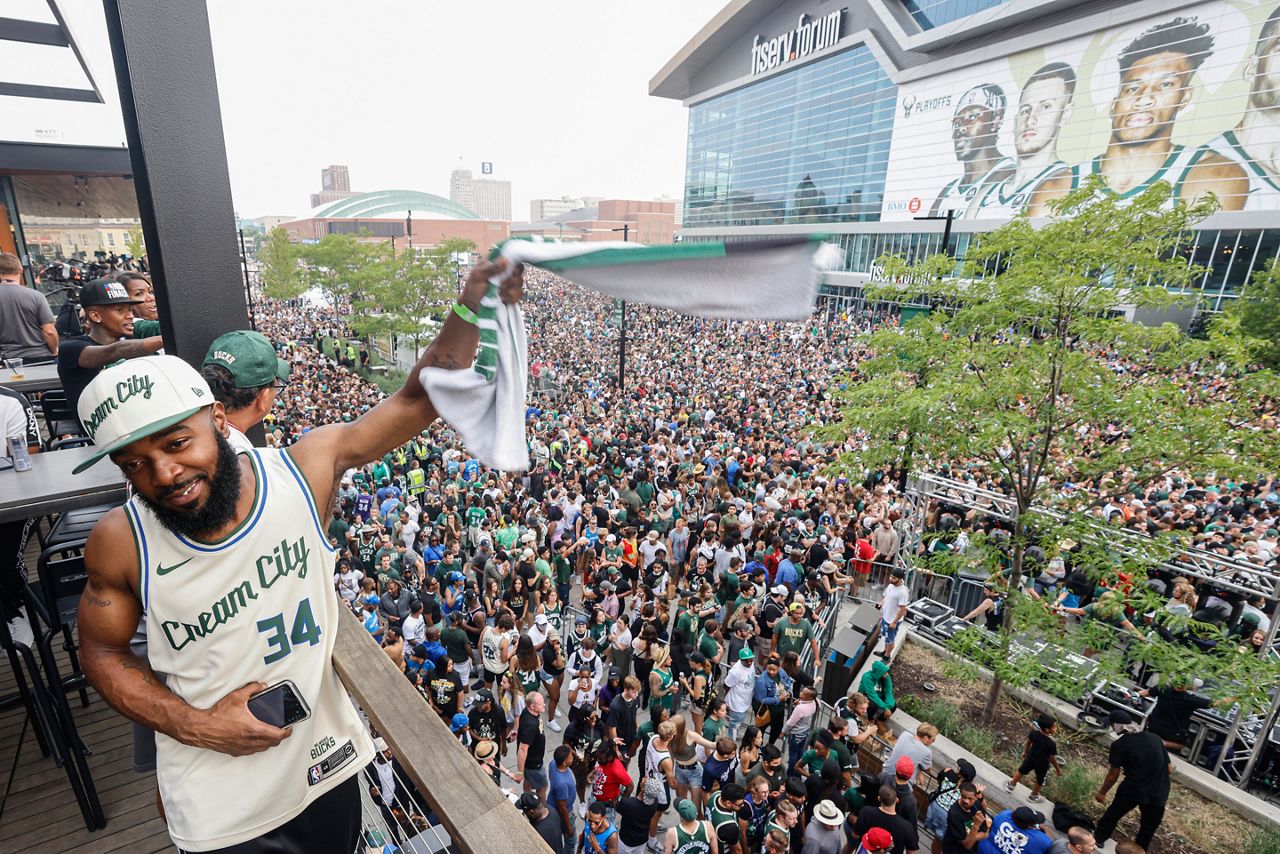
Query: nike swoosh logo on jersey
point(165, 570)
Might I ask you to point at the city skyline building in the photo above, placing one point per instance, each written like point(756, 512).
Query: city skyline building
point(487, 198)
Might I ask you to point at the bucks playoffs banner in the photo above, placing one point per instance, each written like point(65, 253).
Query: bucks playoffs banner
point(1190, 97)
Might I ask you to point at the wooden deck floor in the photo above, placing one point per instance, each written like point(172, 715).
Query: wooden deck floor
point(40, 813)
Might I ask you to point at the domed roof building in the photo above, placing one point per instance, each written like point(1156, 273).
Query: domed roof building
point(407, 217)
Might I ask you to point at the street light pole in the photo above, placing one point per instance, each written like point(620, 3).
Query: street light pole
point(622, 321)
point(248, 291)
point(946, 229)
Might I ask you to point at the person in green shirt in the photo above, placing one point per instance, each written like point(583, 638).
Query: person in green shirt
point(790, 634)
point(563, 572)
point(381, 473)
point(338, 528)
point(542, 566)
point(727, 591)
point(709, 645)
point(508, 535)
point(716, 721)
point(811, 760)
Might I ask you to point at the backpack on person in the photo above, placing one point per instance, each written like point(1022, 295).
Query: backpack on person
point(1066, 817)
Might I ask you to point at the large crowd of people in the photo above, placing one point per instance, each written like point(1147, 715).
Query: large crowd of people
point(652, 589)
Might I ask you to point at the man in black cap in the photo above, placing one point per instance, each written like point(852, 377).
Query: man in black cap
point(545, 822)
point(1141, 756)
point(109, 310)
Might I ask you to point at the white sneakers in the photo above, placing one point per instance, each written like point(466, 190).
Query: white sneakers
point(554, 726)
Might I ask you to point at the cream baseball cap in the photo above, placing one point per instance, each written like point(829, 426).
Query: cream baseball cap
point(137, 397)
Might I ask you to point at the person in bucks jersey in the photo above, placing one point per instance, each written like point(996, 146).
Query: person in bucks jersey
point(1254, 144)
point(1043, 108)
point(226, 555)
point(1157, 73)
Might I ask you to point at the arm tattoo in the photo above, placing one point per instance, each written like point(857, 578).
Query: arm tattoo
point(443, 360)
point(94, 600)
point(141, 667)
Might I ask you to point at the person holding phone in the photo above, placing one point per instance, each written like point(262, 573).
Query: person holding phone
point(227, 556)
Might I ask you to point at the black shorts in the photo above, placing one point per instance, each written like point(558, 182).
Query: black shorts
point(1042, 771)
point(331, 825)
point(491, 678)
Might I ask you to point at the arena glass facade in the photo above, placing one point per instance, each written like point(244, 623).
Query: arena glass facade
point(986, 108)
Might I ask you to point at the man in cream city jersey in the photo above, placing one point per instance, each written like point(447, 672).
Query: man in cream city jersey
point(975, 131)
point(227, 555)
point(1156, 73)
point(243, 373)
point(1254, 144)
point(1043, 108)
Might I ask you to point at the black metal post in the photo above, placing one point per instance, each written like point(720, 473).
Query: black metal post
point(248, 289)
point(163, 58)
point(622, 321)
point(946, 229)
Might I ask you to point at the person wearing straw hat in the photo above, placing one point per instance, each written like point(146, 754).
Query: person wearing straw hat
point(227, 556)
point(825, 834)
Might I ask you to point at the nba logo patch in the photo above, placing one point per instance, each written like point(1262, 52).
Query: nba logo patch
point(313, 775)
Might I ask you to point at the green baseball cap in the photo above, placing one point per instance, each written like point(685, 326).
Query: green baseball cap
point(249, 358)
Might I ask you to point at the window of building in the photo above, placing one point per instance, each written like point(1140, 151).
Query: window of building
point(934, 13)
point(806, 145)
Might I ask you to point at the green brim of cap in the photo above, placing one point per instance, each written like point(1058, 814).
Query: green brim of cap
point(283, 369)
point(140, 433)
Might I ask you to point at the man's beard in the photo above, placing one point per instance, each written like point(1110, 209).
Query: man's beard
point(219, 508)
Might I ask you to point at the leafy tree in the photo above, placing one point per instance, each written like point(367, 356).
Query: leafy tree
point(133, 243)
point(281, 276)
point(1256, 316)
point(339, 265)
point(1015, 372)
point(398, 294)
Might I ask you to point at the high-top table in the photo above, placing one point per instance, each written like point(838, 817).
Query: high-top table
point(50, 487)
point(34, 378)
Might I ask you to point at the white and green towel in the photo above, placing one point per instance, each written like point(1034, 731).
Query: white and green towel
point(775, 279)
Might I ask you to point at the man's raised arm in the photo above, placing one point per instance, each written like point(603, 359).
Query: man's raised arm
point(109, 612)
point(324, 454)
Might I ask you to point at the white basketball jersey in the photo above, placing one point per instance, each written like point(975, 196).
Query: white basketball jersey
point(1005, 200)
point(1264, 192)
point(958, 197)
point(256, 606)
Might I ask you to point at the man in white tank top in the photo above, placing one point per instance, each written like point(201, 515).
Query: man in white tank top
point(227, 556)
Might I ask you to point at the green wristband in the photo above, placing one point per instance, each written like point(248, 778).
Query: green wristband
point(465, 313)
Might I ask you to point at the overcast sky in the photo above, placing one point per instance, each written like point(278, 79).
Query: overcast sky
point(554, 93)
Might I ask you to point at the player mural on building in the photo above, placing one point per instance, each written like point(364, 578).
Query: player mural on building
point(975, 130)
point(1156, 82)
point(1254, 144)
point(1043, 108)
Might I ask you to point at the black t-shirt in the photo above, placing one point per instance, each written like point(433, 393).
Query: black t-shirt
point(530, 733)
point(959, 822)
point(905, 837)
point(549, 661)
point(1171, 717)
point(634, 815)
point(1146, 767)
point(622, 717)
point(488, 725)
point(446, 688)
point(1042, 747)
point(550, 828)
point(75, 378)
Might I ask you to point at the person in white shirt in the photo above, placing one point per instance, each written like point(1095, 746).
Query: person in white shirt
point(347, 581)
point(414, 627)
point(893, 609)
point(740, 684)
point(243, 372)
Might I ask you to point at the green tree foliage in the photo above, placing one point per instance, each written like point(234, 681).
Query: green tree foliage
point(1256, 316)
point(281, 276)
point(340, 264)
point(398, 294)
point(1022, 362)
point(133, 243)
